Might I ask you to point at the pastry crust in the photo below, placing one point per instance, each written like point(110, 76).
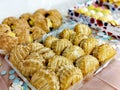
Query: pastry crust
point(104, 52)
point(69, 75)
point(43, 24)
point(49, 40)
point(87, 64)
point(88, 45)
point(30, 66)
point(66, 33)
point(18, 54)
point(14, 23)
point(59, 45)
point(83, 29)
point(55, 12)
point(73, 52)
point(45, 80)
point(34, 47)
point(36, 33)
point(40, 11)
point(23, 35)
point(25, 16)
point(56, 62)
point(78, 38)
point(4, 28)
point(7, 42)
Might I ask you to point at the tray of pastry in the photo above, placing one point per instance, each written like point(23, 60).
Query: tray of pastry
point(65, 59)
point(27, 28)
point(98, 17)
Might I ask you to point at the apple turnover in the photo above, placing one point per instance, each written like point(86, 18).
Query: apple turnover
point(88, 45)
point(29, 67)
point(104, 52)
point(83, 29)
point(18, 54)
point(73, 52)
point(66, 33)
point(69, 75)
point(59, 45)
point(49, 40)
point(56, 62)
point(7, 42)
point(87, 64)
point(45, 80)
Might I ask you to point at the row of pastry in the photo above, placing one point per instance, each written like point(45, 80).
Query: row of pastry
point(29, 27)
point(59, 63)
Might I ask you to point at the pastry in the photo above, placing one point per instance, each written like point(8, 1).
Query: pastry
point(104, 52)
point(83, 29)
point(56, 22)
point(87, 64)
point(43, 24)
point(25, 16)
point(29, 67)
point(54, 12)
point(45, 80)
point(66, 33)
point(40, 11)
point(78, 38)
point(34, 47)
point(18, 54)
point(88, 45)
point(36, 33)
point(48, 55)
point(49, 40)
point(4, 28)
point(73, 52)
point(36, 56)
point(69, 75)
point(59, 45)
point(13, 22)
point(7, 42)
point(23, 35)
point(56, 62)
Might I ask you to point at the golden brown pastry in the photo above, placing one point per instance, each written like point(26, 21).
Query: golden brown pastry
point(59, 45)
point(36, 56)
point(25, 16)
point(56, 22)
point(18, 54)
point(45, 80)
point(104, 52)
point(69, 75)
point(43, 24)
point(40, 11)
point(88, 45)
point(56, 62)
point(34, 47)
point(36, 33)
point(54, 12)
point(48, 55)
point(23, 35)
point(49, 40)
point(83, 29)
point(7, 42)
point(55, 17)
point(87, 64)
point(4, 28)
point(66, 33)
point(73, 52)
point(29, 67)
point(78, 38)
point(13, 22)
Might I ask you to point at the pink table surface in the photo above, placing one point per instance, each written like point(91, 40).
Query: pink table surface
point(107, 79)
